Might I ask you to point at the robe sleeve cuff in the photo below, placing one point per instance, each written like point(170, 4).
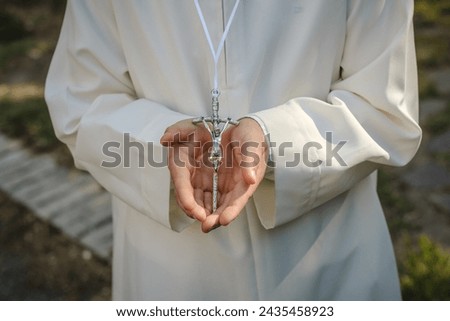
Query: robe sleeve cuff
point(270, 164)
point(296, 183)
point(141, 178)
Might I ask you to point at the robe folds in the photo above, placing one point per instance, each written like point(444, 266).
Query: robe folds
point(333, 82)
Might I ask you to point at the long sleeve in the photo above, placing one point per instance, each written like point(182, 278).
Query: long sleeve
point(93, 107)
point(368, 119)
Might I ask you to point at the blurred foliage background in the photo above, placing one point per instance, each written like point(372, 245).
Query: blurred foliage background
point(28, 34)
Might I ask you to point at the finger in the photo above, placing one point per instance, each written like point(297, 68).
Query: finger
point(185, 131)
point(182, 183)
point(182, 207)
point(210, 223)
point(189, 203)
point(199, 197)
point(233, 203)
point(179, 131)
point(207, 201)
point(182, 204)
point(230, 213)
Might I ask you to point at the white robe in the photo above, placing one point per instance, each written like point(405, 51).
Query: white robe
point(304, 68)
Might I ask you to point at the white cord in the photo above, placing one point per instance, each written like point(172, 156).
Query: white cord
point(216, 53)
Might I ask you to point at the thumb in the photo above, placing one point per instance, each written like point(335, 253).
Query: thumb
point(249, 175)
point(179, 132)
point(170, 138)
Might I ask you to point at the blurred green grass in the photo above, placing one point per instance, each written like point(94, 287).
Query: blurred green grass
point(28, 120)
point(28, 33)
point(432, 35)
point(425, 272)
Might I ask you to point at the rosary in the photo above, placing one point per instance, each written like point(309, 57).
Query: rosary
point(215, 125)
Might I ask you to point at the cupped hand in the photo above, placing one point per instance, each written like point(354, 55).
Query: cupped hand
point(242, 169)
point(191, 175)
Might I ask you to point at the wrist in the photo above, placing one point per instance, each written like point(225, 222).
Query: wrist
point(266, 134)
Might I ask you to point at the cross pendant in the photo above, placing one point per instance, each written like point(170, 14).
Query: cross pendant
point(216, 127)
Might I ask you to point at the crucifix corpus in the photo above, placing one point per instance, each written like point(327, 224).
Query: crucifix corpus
point(216, 127)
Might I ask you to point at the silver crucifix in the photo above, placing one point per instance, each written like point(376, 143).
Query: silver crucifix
point(216, 127)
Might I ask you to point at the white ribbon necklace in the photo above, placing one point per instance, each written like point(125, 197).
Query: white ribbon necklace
point(216, 53)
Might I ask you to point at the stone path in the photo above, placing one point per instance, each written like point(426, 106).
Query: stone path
point(68, 199)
